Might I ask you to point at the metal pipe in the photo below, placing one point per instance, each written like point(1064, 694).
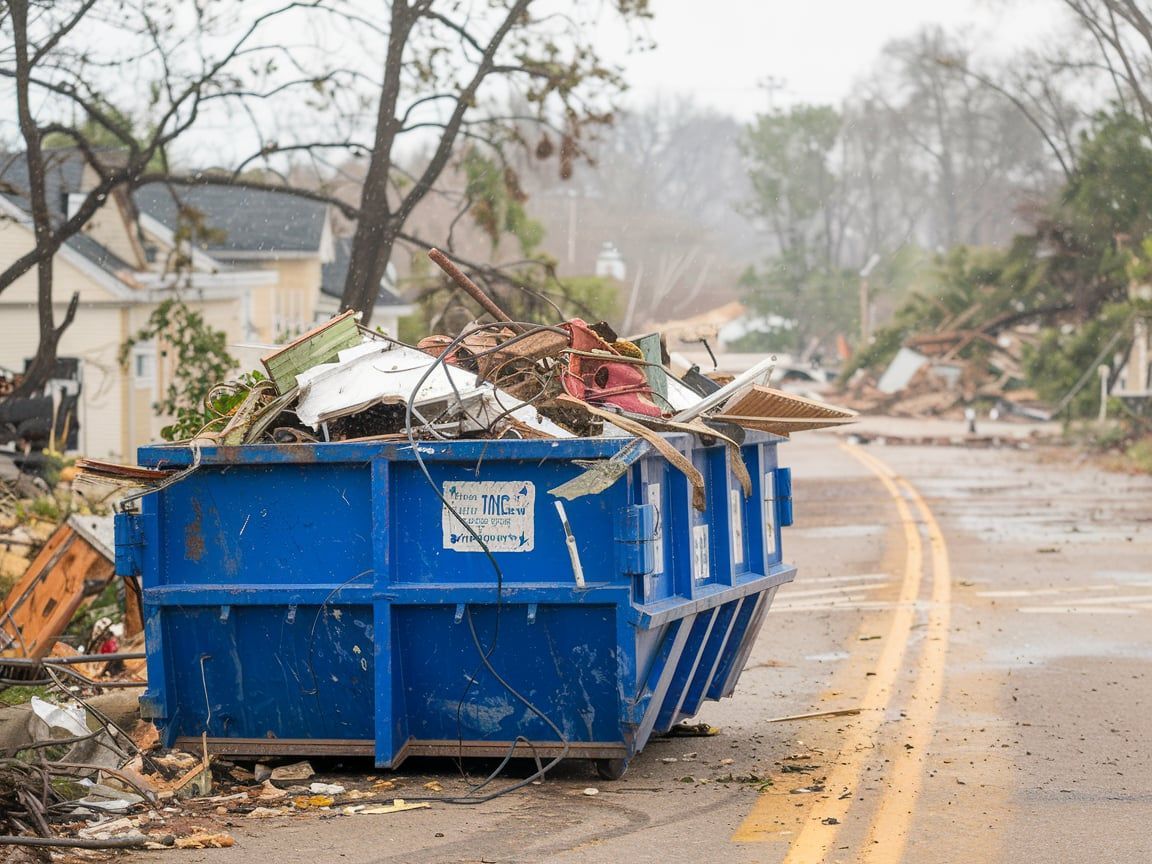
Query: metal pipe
point(34, 662)
point(764, 367)
point(472, 289)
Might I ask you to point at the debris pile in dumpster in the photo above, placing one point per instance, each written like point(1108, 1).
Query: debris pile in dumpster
point(499, 380)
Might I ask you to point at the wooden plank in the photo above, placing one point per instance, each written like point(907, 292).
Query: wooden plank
point(133, 612)
point(42, 604)
point(319, 345)
point(770, 410)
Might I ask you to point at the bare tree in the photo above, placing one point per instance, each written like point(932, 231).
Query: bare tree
point(974, 153)
point(1121, 34)
point(490, 73)
point(315, 78)
point(65, 63)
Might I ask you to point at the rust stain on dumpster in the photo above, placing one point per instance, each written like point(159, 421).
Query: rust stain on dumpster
point(194, 535)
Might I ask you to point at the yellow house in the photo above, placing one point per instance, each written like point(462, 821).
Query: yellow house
point(258, 274)
point(267, 230)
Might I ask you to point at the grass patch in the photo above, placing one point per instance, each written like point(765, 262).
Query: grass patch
point(46, 508)
point(18, 694)
point(1139, 455)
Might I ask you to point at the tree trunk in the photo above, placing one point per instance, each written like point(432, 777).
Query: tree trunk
point(45, 361)
point(379, 225)
point(375, 231)
point(366, 271)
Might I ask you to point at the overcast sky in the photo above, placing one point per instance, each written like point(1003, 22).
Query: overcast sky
point(720, 50)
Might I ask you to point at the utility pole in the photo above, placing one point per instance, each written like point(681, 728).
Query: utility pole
point(1103, 371)
point(865, 302)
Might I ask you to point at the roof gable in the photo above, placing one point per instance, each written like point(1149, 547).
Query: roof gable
point(63, 175)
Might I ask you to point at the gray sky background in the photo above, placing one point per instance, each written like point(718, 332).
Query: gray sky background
point(720, 50)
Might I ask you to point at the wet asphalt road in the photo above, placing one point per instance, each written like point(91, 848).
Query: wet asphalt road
point(990, 613)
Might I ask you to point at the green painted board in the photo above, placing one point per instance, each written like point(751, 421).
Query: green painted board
point(319, 345)
point(657, 378)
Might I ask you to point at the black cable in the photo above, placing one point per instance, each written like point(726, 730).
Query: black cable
point(440, 360)
point(82, 843)
point(105, 720)
point(312, 632)
point(485, 653)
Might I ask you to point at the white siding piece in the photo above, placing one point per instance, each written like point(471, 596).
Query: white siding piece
point(381, 373)
point(904, 365)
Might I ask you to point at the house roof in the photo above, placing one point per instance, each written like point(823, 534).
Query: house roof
point(335, 271)
point(246, 220)
point(64, 173)
point(251, 223)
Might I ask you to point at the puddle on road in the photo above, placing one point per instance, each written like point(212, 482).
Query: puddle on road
point(1033, 654)
point(1141, 577)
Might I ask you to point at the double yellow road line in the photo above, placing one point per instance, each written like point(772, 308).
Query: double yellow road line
point(891, 818)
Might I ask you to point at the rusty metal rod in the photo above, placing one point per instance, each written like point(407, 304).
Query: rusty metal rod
point(33, 662)
point(472, 289)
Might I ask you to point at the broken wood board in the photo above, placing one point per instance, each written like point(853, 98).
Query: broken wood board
point(319, 345)
point(769, 410)
point(67, 571)
point(116, 471)
point(816, 715)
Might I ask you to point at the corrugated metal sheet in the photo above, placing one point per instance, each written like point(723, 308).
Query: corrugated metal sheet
point(770, 410)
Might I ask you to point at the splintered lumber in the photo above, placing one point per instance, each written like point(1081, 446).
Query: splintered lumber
point(816, 715)
point(40, 606)
point(600, 475)
point(770, 410)
point(319, 345)
point(116, 471)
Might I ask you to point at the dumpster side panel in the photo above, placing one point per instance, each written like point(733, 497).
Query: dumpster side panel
point(322, 599)
point(510, 508)
point(271, 672)
point(285, 524)
point(563, 662)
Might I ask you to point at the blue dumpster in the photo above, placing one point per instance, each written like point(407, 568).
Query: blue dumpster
point(321, 598)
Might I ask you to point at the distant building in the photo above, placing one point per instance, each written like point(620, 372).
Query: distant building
point(610, 263)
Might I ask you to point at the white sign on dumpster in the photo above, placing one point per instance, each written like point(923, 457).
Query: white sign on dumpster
point(701, 565)
point(502, 513)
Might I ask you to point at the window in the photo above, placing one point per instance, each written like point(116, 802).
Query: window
point(144, 365)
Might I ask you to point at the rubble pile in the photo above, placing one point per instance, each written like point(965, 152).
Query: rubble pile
point(499, 380)
point(940, 373)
